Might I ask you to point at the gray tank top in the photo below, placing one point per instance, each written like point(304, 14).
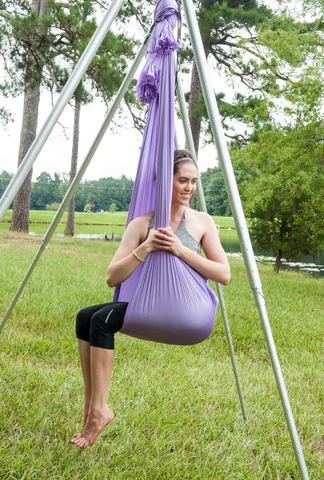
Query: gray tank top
point(186, 239)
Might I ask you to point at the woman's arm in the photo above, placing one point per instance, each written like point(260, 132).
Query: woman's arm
point(124, 262)
point(215, 267)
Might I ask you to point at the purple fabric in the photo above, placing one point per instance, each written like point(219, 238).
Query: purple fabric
point(162, 43)
point(169, 302)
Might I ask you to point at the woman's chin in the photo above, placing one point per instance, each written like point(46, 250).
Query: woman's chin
point(181, 201)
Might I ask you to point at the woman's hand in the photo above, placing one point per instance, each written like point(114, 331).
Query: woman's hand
point(150, 243)
point(165, 239)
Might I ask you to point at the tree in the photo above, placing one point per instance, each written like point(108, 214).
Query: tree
point(112, 208)
point(69, 229)
point(46, 191)
point(5, 116)
point(42, 192)
point(215, 192)
point(38, 42)
point(263, 55)
point(103, 76)
point(282, 187)
point(228, 32)
point(5, 178)
point(31, 29)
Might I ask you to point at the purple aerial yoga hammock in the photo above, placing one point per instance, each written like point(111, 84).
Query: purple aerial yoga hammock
point(169, 302)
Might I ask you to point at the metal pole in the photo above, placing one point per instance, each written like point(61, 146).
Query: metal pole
point(189, 139)
point(232, 353)
point(202, 207)
point(67, 92)
point(241, 227)
point(77, 179)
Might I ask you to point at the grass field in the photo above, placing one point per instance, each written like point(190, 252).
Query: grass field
point(98, 218)
point(177, 410)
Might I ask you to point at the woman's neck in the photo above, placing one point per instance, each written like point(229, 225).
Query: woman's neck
point(176, 212)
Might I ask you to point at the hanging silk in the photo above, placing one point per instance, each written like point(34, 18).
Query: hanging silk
point(169, 302)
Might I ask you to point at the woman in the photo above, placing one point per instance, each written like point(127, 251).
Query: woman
point(96, 325)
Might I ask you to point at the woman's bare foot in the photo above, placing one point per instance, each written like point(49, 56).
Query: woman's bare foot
point(85, 418)
point(92, 428)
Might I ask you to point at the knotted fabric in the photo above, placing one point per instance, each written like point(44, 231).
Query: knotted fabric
point(169, 302)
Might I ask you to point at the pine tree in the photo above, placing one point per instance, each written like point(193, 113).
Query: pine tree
point(69, 229)
point(229, 34)
point(37, 40)
point(32, 29)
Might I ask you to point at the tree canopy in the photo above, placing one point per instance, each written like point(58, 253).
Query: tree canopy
point(103, 192)
point(282, 186)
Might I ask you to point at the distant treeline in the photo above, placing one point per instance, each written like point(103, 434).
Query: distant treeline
point(111, 193)
point(47, 192)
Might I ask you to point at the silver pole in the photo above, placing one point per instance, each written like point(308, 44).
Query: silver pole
point(241, 227)
point(189, 139)
point(77, 179)
point(232, 353)
point(67, 92)
point(202, 207)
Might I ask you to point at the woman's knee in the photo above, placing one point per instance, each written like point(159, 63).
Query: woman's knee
point(101, 332)
point(82, 324)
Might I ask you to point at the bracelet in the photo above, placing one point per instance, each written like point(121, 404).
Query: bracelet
point(136, 256)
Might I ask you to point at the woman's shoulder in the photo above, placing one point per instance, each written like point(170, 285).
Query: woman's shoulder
point(141, 222)
point(199, 224)
point(201, 217)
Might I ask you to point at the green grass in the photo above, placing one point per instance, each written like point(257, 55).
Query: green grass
point(40, 229)
point(177, 410)
point(80, 217)
point(224, 222)
point(99, 218)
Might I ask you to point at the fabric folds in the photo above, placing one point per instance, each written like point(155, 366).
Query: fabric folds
point(162, 42)
point(169, 302)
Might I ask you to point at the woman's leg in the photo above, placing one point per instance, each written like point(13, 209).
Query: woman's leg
point(83, 321)
point(98, 414)
point(84, 352)
point(96, 363)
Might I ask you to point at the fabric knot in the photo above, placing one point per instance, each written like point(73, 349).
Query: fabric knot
point(162, 42)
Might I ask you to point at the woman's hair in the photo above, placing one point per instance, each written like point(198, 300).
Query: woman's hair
point(181, 157)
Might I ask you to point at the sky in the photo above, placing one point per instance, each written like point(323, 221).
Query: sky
point(117, 154)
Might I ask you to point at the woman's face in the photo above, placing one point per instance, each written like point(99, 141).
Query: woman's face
point(184, 183)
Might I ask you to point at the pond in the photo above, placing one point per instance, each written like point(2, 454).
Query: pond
point(305, 263)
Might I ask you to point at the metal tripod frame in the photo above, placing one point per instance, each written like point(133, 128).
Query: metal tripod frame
point(227, 169)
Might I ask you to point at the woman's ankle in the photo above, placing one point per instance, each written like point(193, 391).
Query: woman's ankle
point(98, 409)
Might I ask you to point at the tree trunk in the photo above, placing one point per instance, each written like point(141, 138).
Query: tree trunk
point(69, 230)
point(195, 92)
point(278, 264)
point(20, 213)
point(195, 87)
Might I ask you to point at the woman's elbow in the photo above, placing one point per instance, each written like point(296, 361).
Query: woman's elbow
point(110, 281)
point(226, 277)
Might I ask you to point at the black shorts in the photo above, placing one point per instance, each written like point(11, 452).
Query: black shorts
point(98, 324)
